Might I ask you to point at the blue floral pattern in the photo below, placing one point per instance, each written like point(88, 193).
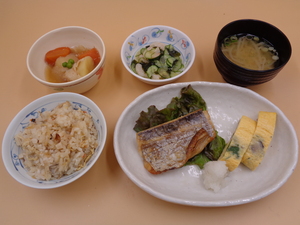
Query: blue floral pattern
point(143, 40)
point(156, 32)
point(16, 160)
point(149, 35)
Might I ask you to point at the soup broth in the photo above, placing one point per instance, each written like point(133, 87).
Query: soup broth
point(250, 52)
point(66, 64)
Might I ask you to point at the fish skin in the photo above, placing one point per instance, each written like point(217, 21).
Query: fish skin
point(170, 145)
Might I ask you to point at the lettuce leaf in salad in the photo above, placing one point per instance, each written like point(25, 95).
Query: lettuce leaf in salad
point(189, 101)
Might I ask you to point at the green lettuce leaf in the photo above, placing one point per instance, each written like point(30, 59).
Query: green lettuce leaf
point(198, 160)
point(189, 101)
point(215, 148)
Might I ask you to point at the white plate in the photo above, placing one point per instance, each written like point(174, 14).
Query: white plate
point(226, 104)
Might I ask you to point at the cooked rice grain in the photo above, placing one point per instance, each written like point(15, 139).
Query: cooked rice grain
point(58, 142)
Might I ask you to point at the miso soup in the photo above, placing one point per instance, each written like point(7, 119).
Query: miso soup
point(250, 52)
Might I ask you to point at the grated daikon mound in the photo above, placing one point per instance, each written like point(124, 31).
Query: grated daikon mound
point(214, 174)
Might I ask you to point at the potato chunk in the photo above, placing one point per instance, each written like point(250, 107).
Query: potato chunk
point(85, 66)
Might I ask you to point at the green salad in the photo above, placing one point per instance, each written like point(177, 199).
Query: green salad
point(157, 61)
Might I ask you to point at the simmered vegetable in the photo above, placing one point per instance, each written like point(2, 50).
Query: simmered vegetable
point(157, 61)
point(68, 64)
point(85, 65)
point(52, 55)
point(93, 53)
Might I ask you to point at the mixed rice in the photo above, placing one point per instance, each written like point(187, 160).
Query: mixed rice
point(58, 142)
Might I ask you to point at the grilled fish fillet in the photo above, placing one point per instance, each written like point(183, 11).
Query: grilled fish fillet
point(171, 144)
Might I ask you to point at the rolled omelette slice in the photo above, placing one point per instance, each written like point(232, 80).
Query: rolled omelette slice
point(261, 140)
point(237, 146)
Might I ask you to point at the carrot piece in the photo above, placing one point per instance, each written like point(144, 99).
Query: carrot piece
point(52, 55)
point(92, 53)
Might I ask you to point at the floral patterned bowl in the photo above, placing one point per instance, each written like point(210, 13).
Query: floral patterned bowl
point(162, 34)
point(10, 150)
